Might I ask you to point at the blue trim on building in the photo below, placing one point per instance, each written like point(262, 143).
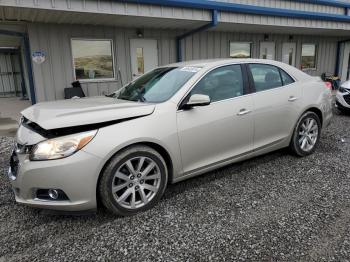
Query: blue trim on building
point(213, 23)
point(245, 9)
point(28, 59)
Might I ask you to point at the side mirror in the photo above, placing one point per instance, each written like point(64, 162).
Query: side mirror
point(197, 100)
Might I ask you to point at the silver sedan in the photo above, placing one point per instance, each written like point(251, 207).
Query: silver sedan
point(173, 123)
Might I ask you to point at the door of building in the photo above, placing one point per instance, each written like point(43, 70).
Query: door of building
point(144, 56)
point(267, 50)
point(11, 78)
point(288, 53)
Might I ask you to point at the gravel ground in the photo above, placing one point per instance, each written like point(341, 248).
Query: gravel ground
point(276, 207)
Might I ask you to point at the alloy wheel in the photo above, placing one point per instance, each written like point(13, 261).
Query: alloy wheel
point(136, 182)
point(308, 134)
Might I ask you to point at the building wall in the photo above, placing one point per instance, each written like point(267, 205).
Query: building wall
point(89, 11)
point(216, 45)
point(230, 18)
point(290, 4)
point(345, 52)
point(56, 72)
point(98, 7)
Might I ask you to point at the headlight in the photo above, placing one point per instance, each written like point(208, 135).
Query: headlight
point(61, 147)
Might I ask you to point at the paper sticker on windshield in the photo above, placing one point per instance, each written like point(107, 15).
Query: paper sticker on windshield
point(190, 69)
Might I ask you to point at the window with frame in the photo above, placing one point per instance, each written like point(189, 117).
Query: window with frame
point(221, 83)
point(93, 59)
point(286, 79)
point(308, 56)
point(265, 77)
point(240, 49)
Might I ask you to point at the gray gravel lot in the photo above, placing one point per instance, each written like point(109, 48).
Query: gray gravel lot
point(276, 207)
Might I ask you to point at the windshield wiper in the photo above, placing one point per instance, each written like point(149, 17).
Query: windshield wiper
point(126, 98)
point(111, 95)
point(142, 98)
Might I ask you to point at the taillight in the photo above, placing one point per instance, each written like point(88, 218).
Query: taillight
point(328, 85)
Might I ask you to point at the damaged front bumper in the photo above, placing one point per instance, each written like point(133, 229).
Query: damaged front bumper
point(74, 177)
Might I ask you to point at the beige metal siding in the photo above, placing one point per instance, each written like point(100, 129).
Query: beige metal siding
point(105, 7)
point(113, 13)
point(56, 72)
point(109, 6)
point(290, 4)
point(229, 18)
point(217, 46)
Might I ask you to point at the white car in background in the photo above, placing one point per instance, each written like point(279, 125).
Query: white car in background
point(342, 100)
point(173, 123)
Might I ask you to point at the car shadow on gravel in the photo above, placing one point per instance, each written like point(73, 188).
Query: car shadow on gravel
point(236, 171)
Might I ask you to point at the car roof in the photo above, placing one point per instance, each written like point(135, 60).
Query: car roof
point(218, 62)
point(212, 63)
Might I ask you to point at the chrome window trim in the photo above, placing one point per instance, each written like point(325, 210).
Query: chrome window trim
point(295, 80)
point(199, 79)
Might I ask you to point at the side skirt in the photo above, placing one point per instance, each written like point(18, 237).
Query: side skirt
point(281, 143)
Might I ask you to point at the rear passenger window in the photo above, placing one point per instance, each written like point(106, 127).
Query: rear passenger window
point(265, 77)
point(221, 83)
point(286, 79)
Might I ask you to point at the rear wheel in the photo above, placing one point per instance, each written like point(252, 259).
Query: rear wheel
point(133, 181)
point(306, 134)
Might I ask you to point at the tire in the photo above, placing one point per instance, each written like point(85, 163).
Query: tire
point(137, 187)
point(312, 140)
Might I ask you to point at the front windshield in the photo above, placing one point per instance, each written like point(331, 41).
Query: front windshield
point(158, 85)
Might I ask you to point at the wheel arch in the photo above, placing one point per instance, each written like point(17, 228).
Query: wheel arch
point(160, 149)
point(315, 110)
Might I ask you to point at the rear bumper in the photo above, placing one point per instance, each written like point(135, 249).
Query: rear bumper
point(76, 176)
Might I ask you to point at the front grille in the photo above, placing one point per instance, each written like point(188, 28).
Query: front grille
point(347, 99)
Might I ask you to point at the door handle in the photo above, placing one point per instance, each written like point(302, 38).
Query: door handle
point(243, 112)
point(292, 98)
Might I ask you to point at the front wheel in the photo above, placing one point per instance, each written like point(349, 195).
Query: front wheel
point(306, 134)
point(133, 181)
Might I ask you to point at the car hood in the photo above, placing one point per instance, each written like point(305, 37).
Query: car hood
point(84, 111)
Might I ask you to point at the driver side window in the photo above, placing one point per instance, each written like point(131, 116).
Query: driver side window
point(221, 83)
